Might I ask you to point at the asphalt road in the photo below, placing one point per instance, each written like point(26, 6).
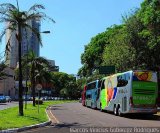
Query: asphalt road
point(73, 117)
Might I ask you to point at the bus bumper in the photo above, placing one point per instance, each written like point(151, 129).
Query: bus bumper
point(143, 110)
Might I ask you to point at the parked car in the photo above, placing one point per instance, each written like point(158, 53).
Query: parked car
point(27, 97)
point(45, 98)
point(2, 99)
point(8, 99)
point(80, 100)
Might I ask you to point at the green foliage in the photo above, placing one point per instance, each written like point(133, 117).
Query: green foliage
point(149, 15)
point(81, 83)
point(134, 44)
point(3, 74)
point(38, 70)
point(118, 53)
point(39, 101)
point(65, 85)
point(91, 58)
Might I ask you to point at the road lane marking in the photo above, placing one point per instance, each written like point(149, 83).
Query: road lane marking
point(57, 121)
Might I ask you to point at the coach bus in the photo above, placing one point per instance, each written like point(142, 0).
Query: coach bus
point(91, 94)
point(129, 92)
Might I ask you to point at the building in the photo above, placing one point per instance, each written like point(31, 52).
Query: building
point(29, 42)
point(54, 67)
point(7, 85)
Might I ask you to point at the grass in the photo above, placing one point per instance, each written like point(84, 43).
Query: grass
point(9, 118)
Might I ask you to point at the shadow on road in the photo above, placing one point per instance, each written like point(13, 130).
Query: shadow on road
point(56, 108)
point(139, 116)
point(143, 117)
point(69, 125)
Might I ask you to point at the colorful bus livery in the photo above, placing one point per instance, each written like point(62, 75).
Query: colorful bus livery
point(145, 88)
point(129, 92)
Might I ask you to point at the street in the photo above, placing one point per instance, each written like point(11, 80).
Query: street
point(73, 115)
point(8, 105)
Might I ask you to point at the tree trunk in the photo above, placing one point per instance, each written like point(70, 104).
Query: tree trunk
point(20, 72)
point(33, 92)
point(33, 83)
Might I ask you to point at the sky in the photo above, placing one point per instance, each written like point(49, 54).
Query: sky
point(77, 21)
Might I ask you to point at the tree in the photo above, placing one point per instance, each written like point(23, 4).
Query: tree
point(134, 28)
point(65, 85)
point(149, 16)
point(118, 52)
point(91, 58)
point(81, 83)
point(17, 21)
point(38, 69)
point(3, 74)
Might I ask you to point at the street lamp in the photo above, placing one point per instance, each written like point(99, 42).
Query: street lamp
point(46, 32)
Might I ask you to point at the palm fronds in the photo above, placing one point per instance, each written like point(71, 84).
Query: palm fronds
point(36, 8)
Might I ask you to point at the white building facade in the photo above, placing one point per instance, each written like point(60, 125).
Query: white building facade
point(29, 42)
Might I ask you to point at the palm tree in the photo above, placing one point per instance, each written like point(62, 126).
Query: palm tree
point(3, 74)
point(45, 78)
point(17, 21)
point(39, 68)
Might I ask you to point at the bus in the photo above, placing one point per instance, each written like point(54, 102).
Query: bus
point(84, 96)
point(91, 94)
point(158, 101)
point(129, 92)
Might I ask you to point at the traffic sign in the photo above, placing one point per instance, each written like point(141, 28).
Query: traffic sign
point(38, 87)
point(106, 69)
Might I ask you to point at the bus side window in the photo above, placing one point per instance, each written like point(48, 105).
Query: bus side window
point(99, 83)
point(122, 81)
point(88, 97)
point(102, 85)
point(98, 93)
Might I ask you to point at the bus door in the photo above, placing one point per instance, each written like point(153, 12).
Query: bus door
point(103, 96)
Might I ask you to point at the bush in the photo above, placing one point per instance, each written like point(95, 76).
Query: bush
point(40, 101)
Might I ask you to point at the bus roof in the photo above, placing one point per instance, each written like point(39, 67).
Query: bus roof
point(93, 81)
point(117, 74)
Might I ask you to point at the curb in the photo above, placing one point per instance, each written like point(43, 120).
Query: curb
point(28, 127)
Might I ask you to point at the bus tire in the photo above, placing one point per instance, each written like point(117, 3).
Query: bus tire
point(91, 105)
point(101, 107)
point(115, 110)
point(86, 104)
point(119, 111)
